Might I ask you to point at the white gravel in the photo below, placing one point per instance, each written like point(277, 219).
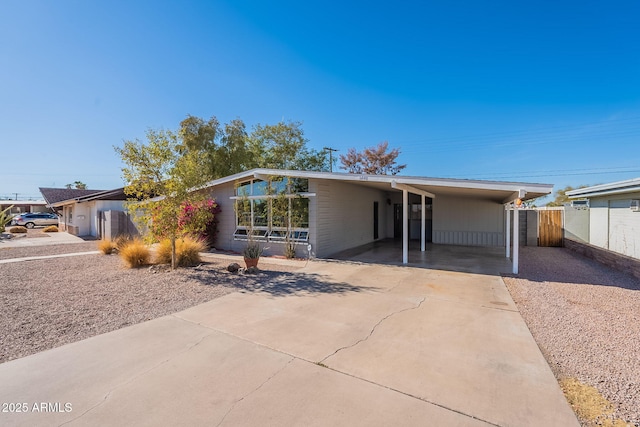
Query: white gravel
point(50, 302)
point(586, 319)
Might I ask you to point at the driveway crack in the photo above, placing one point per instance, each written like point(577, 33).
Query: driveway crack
point(373, 329)
point(146, 371)
point(235, 403)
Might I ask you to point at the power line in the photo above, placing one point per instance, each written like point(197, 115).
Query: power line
point(540, 136)
point(552, 129)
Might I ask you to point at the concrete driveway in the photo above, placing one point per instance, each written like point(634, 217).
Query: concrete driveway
point(340, 344)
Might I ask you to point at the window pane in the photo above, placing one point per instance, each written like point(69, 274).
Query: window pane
point(243, 213)
point(299, 185)
point(279, 211)
point(260, 188)
point(278, 185)
point(260, 213)
point(300, 212)
point(244, 189)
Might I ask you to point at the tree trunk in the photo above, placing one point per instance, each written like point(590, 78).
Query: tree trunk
point(173, 253)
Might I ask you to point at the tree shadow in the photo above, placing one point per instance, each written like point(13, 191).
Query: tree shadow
point(275, 283)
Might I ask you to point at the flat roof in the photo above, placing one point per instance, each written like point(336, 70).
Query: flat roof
point(619, 187)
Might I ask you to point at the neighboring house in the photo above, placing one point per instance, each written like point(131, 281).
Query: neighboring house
point(338, 211)
point(19, 207)
point(614, 216)
point(94, 213)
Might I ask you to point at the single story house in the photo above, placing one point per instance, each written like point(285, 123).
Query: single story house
point(614, 215)
point(23, 206)
point(323, 213)
point(92, 213)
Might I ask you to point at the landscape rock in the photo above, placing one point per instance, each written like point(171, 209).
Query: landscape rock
point(234, 267)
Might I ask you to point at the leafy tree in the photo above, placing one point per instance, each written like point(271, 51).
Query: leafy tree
point(79, 185)
point(561, 196)
point(160, 177)
point(228, 149)
point(283, 146)
point(373, 160)
point(233, 153)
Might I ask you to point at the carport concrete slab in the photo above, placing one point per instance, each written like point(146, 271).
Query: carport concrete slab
point(468, 259)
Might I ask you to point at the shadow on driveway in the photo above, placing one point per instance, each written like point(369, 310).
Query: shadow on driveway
point(275, 283)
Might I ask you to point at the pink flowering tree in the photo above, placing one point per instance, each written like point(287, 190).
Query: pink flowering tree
point(194, 214)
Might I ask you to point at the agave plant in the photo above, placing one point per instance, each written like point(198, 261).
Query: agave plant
point(252, 251)
point(5, 217)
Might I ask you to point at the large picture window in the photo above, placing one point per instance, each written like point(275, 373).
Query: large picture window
point(276, 209)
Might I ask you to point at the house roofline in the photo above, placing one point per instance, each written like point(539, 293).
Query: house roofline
point(98, 195)
point(619, 187)
point(408, 180)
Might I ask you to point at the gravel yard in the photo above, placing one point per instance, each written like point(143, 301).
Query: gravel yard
point(50, 302)
point(586, 319)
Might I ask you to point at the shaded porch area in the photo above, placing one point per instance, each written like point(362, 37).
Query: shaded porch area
point(467, 259)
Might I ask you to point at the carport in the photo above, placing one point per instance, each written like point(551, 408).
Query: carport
point(462, 207)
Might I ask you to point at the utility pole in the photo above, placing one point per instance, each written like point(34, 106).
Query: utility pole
point(330, 150)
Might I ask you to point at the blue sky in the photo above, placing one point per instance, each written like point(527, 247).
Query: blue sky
point(536, 92)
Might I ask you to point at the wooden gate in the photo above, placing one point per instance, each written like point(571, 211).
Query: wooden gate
point(550, 228)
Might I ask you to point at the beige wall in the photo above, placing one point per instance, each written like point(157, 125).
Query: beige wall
point(467, 221)
point(345, 215)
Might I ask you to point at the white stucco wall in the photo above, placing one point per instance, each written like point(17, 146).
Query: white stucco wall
point(80, 218)
point(614, 226)
point(599, 223)
point(468, 221)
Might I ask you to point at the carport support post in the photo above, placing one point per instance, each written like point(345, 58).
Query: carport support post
point(508, 245)
point(516, 238)
point(423, 234)
point(405, 227)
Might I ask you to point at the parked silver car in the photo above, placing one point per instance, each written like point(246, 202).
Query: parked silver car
point(30, 220)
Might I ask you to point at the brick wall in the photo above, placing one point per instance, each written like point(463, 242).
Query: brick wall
point(612, 259)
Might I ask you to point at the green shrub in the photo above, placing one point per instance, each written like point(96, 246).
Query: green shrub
point(17, 229)
point(107, 247)
point(135, 254)
point(187, 251)
point(51, 229)
point(290, 251)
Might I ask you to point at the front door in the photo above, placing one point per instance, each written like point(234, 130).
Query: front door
point(375, 221)
point(397, 221)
